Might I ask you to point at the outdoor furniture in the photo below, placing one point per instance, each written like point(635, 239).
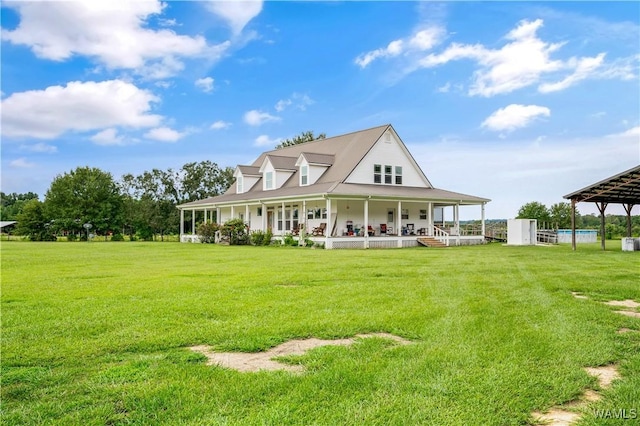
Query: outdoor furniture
point(383, 229)
point(370, 231)
point(422, 231)
point(411, 229)
point(319, 230)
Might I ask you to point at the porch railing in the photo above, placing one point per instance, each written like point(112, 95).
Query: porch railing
point(440, 235)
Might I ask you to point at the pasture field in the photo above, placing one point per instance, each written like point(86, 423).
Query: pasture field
point(99, 333)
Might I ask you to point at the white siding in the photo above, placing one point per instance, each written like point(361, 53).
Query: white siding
point(387, 153)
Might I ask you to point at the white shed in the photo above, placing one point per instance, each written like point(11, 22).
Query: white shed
point(522, 232)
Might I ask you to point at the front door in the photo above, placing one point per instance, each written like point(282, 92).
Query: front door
point(270, 219)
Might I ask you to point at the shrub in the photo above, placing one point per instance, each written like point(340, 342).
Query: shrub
point(207, 232)
point(257, 238)
point(288, 240)
point(268, 236)
point(72, 237)
point(236, 231)
point(117, 237)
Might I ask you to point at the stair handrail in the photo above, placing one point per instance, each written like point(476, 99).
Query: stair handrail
point(440, 235)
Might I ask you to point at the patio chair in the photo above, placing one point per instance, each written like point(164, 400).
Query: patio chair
point(370, 231)
point(319, 230)
point(383, 229)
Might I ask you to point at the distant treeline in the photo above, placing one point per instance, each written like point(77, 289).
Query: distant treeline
point(89, 201)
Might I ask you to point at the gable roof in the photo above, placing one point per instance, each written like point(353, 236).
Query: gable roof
point(280, 162)
point(249, 170)
point(319, 159)
point(345, 152)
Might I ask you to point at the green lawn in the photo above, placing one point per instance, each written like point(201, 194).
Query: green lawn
point(97, 333)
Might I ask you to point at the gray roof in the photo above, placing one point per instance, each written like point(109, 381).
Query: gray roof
point(332, 182)
point(250, 170)
point(7, 223)
point(323, 159)
point(280, 162)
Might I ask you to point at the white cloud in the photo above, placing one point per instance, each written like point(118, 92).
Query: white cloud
point(108, 137)
point(164, 134)
point(584, 67)
point(78, 106)
point(40, 147)
point(445, 88)
point(113, 33)
point(419, 41)
point(264, 140)
point(514, 116)
point(205, 84)
point(525, 60)
point(219, 125)
point(237, 13)
point(633, 133)
point(298, 100)
point(21, 163)
point(257, 118)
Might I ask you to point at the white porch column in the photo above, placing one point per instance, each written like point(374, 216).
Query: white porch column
point(264, 216)
point(399, 224)
point(482, 220)
point(291, 218)
point(205, 215)
point(218, 215)
point(233, 212)
point(246, 215)
point(284, 219)
point(193, 222)
point(366, 223)
point(430, 219)
point(181, 224)
point(329, 228)
point(456, 221)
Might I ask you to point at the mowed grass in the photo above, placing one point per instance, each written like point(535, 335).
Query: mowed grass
point(97, 333)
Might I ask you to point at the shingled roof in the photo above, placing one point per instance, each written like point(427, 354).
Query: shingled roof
point(343, 154)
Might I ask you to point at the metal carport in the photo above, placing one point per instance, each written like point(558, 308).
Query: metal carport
point(623, 188)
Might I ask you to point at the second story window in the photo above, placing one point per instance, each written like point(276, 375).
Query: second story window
point(388, 177)
point(377, 173)
point(304, 175)
point(398, 175)
point(268, 180)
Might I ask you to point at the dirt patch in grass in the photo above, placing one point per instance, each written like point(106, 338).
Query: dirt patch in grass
point(624, 330)
point(248, 362)
point(623, 303)
point(568, 413)
point(578, 295)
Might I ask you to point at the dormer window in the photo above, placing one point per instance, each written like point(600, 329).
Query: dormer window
point(304, 175)
point(239, 182)
point(268, 180)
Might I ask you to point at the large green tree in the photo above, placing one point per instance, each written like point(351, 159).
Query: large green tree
point(151, 197)
point(560, 214)
point(534, 210)
point(11, 204)
point(33, 223)
point(303, 137)
point(85, 195)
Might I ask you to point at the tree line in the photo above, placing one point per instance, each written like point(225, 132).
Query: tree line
point(90, 201)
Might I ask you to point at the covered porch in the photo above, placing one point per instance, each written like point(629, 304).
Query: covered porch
point(345, 221)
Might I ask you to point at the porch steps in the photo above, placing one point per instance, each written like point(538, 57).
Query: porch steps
point(431, 242)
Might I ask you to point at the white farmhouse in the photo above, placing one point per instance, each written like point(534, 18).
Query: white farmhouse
point(359, 190)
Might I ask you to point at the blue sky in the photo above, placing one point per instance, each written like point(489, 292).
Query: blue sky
point(513, 101)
